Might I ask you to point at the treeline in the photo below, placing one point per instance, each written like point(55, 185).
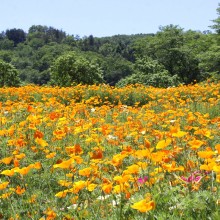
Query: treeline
point(46, 55)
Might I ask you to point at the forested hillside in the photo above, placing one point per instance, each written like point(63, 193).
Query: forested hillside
point(46, 55)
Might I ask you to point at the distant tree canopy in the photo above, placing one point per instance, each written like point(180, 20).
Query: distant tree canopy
point(170, 48)
point(8, 75)
point(150, 72)
point(216, 25)
point(39, 35)
point(71, 68)
point(16, 35)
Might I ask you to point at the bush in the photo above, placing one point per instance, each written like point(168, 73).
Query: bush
point(70, 68)
point(8, 75)
point(151, 73)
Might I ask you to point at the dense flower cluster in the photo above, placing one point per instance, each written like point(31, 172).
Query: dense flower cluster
point(97, 151)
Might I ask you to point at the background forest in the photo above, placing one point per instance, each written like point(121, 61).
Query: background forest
point(46, 55)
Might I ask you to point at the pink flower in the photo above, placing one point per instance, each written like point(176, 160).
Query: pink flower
point(191, 179)
point(142, 180)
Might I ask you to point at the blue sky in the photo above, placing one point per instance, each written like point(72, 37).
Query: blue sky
point(107, 17)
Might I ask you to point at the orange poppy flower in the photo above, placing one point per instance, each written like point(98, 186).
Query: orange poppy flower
point(208, 167)
point(122, 179)
point(51, 155)
point(77, 186)
point(41, 142)
point(19, 190)
point(50, 214)
point(163, 143)
point(206, 154)
point(36, 165)
point(195, 144)
point(61, 194)
point(85, 172)
point(216, 169)
point(59, 134)
point(5, 195)
point(179, 134)
point(205, 132)
point(107, 188)
point(16, 162)
point(144, 206)
point(172, 167)
point(97, 154)
point(30, 108)
point(91, 187)
point(117, 159)
point(133, 169)
point(22, 171)
point(20, 156)
point(64, 164)
point(38, 134)
point(3, 185)
point(54, 115)
point(217, 147)
point(76, 149)
point(6, 160)
point(8, 172)
point(121, 188)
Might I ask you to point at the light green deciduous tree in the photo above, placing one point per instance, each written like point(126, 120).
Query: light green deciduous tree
point(8, 75)
point(71, 68)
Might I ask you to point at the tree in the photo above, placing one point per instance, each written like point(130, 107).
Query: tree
point(6, 55)
point(70, 68)
point(205, 50)
point(116, 68)
point(210, 62)
point(8, 75)
point(169, 48)
point(107, 49)
point(6, 44)
point(16, 35)
point(149, 72)
point(39, 34)
point(88, 43)
point(216, 25)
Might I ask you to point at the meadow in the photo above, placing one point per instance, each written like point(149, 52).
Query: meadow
point(101, 152)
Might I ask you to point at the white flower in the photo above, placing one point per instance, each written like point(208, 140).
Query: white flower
point(172, 121)
point(92, 109)
point(143, 132)
point(74, 206)
point(174, 207)
point(103, 197)
point(111, 137)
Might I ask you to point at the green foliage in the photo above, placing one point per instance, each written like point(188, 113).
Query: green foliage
point(16, 35)
point(116, 68)
point(216, 25)
point(170, 49)
point(8, 75)
point(6, 55)
point(107, 49)
point(148, 66)
point(6, 44)
point(70, 68)
point(150, 72)
point(210, 61)
point(34, 76)
point(46, 34)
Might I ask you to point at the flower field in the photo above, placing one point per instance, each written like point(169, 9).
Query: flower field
point(100, 152)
